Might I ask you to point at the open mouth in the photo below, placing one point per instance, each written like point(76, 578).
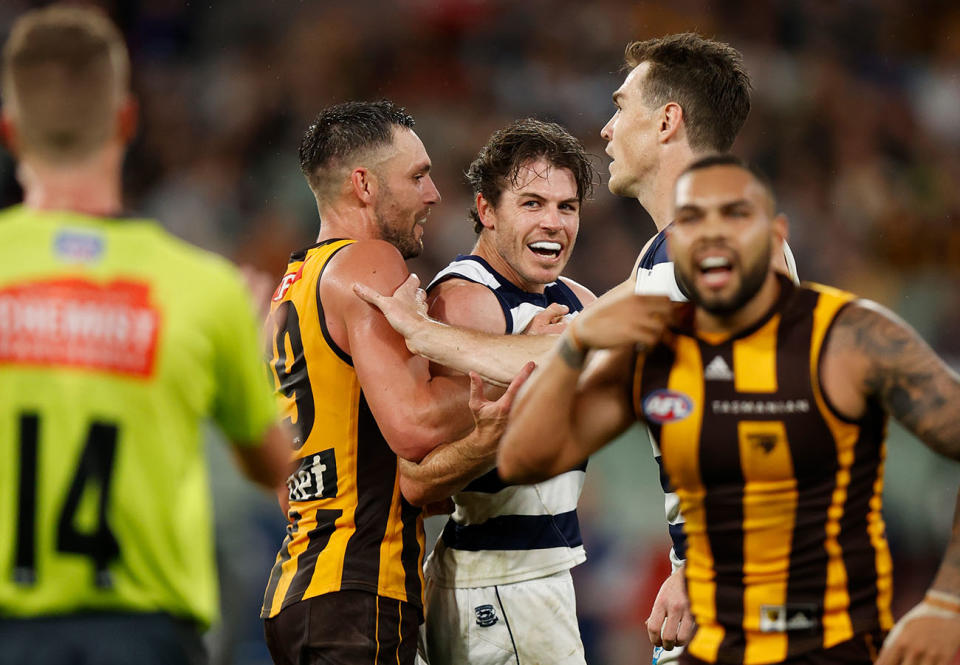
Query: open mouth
point(546, 249)
point(715, 271)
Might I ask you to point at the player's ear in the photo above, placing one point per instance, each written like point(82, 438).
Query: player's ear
point(8, 133)
point(128, 117)
point(671, 120)
point(781, 227)
point(485, 212)
point(364, 185)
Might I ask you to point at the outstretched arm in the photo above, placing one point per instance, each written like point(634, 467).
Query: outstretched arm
point(498, 358)
point(563, 417)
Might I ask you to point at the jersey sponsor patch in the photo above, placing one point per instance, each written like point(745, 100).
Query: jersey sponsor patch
point(111, 327)
point(288, 280)
point(315, 477)
point(667, 406)
point(75, 246)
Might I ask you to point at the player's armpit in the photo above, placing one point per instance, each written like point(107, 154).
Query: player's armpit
point(414, 410)
point(872, 354)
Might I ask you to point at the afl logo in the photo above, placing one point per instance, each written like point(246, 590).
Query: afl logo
point(666, 406)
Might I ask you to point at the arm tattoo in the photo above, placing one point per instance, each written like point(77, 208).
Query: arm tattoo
point(904, 375)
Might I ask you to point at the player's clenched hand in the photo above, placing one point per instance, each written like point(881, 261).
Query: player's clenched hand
point(549, 321)
point(670, 623)
point(491, 417)
point(626, 318)
point(926, 635)
point(405, 310)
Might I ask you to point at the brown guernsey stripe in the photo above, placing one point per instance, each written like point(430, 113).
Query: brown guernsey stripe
point(814, 456)
point(410, 554)
point(317, 540)
point(859, 555)
point(277, 571)
point(723, 502)
point(376, 476)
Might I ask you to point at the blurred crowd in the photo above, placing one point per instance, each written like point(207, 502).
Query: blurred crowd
point(856, 118)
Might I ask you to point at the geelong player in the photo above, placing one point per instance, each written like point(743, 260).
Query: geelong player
point(117, 342)
point(503, 561)
point(778, 462)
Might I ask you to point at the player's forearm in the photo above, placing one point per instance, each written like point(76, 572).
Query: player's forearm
point(539, 441)
point(447, 469)
point(497, 358)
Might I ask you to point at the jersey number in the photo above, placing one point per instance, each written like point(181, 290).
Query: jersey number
point(95, 468)
point(294, 383)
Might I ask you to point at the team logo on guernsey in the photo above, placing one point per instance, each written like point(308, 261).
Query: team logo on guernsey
point(667, 406)
point(486, 615)
point(78, 246)
point(315, 477)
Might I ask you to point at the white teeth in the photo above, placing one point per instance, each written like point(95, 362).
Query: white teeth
point(546, 246)
point(714, 262)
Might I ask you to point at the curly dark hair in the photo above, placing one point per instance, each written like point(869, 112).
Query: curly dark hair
point(705, 77)
point(498, 163)
point(343, 131)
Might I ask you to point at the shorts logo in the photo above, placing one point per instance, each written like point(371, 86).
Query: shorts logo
point(486, 615)
point(667, 406)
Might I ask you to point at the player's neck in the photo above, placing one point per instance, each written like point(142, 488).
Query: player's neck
point(91, 187)
point(658, 200)
point(347, 220)
point(486, 251)
point(746, 316)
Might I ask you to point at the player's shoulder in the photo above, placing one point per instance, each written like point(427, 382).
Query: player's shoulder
point(584, 295)
point(462, 302)
point(368, 257)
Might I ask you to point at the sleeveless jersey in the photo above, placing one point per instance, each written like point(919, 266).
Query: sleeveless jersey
point(786, 544)
point(349, 526)
point(117, 342)
point(501, 533)
point(655, 276)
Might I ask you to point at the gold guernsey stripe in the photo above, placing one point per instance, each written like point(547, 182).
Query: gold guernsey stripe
point(683, 437)
point(837, 625)
point(769, 511)
point(884, 563)
point(755, 360)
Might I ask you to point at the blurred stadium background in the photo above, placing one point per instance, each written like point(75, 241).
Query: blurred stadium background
point(856, 116)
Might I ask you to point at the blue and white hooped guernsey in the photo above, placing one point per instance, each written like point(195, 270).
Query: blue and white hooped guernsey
point(655, 276)
point(499, 533)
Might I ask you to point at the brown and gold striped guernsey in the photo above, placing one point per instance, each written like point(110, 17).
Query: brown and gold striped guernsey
point(350, 528)
point(786, 544)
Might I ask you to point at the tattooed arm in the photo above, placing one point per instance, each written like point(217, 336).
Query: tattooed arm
point(873, 354)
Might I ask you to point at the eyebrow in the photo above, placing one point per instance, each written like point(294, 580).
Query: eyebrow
point(423, 167)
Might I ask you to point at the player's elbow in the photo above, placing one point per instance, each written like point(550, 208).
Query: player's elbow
point(419, 493)
point(515, 468)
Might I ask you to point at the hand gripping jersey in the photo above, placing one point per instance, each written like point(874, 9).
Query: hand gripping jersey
point(117, 341)
point(502, 533)
point(786, 546)
point(350, 528)
point(655, 276)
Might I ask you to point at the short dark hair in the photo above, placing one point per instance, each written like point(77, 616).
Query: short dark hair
point(726, 159)
point(705, 77)
point(498, 163)
point(65, 72)
point(344, 131)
